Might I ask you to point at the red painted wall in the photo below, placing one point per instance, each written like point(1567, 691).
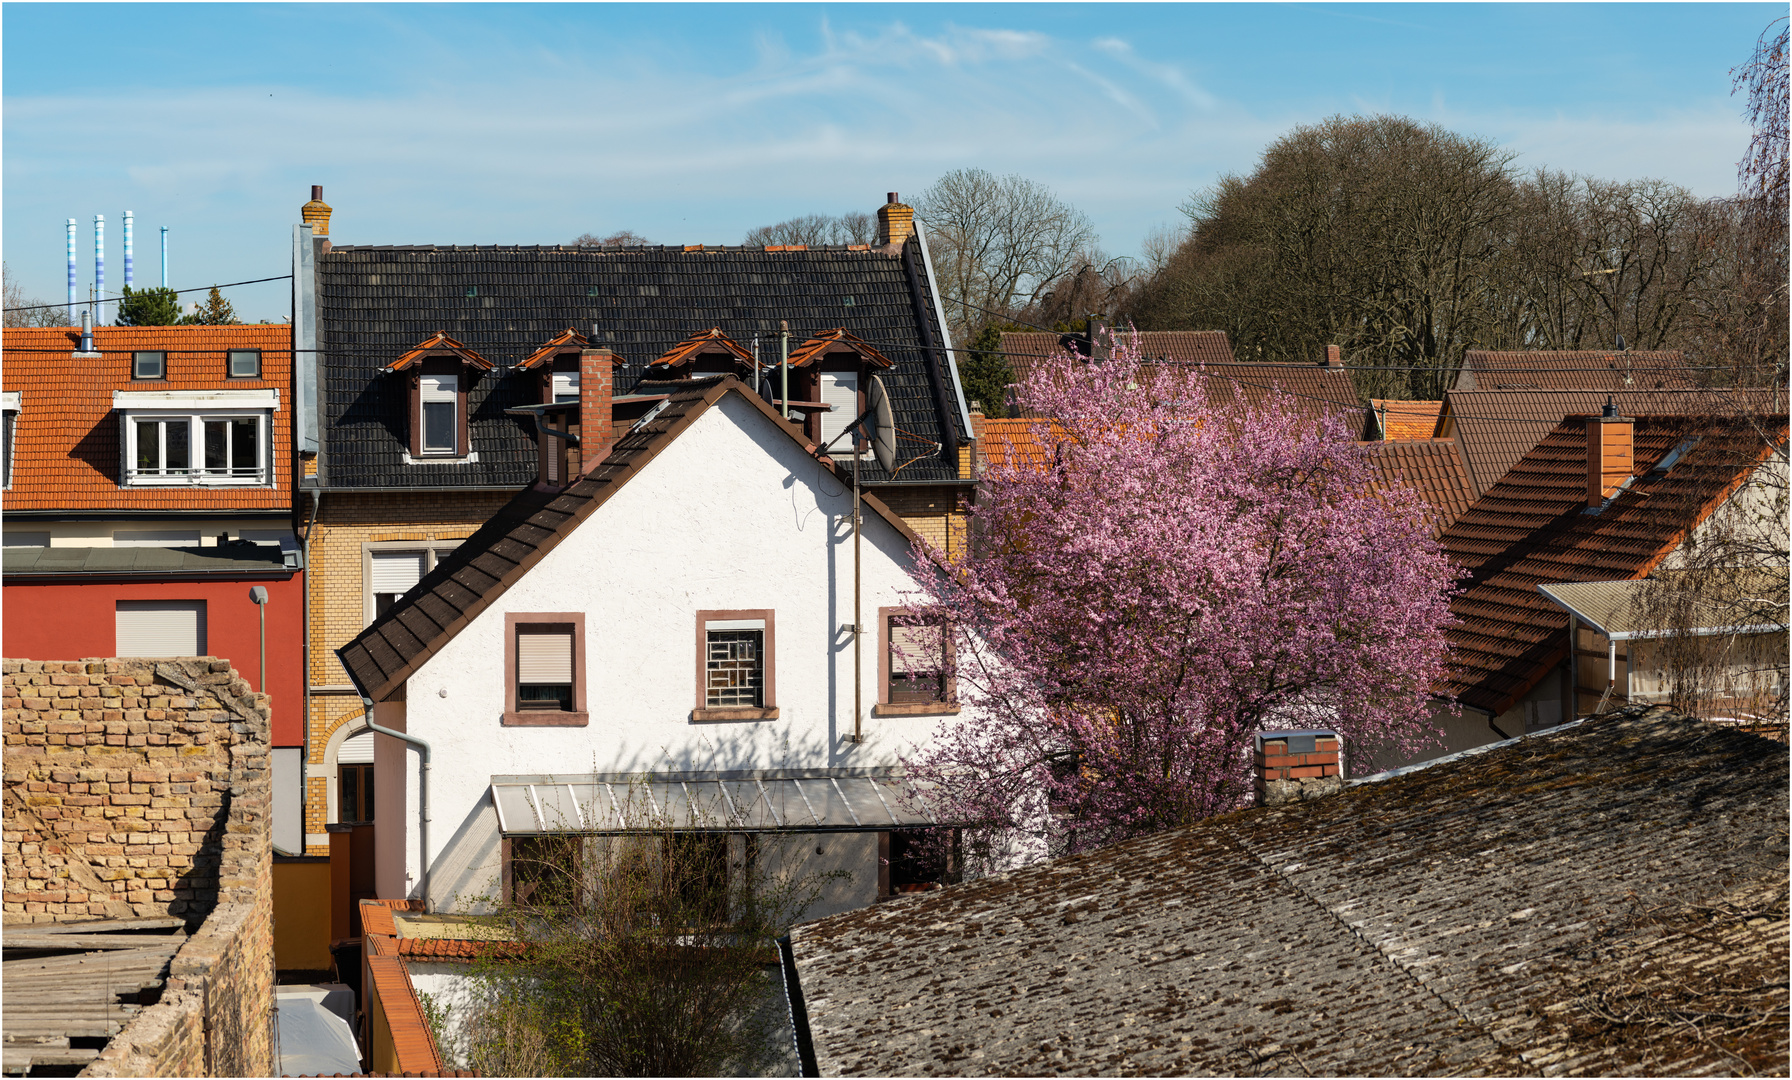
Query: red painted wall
point(77, 621)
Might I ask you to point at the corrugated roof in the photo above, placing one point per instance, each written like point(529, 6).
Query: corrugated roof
point(65, 445)
point(1531, 529)
point(1404, 419)
point(374, 303)
point(1469, 918)
point(1586, 369)
point(1494, 428)
point(483, 566)
point(1716, 602)
point(1432, 469)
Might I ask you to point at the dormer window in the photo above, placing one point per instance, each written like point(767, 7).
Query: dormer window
point(212, 438)
point(835, 368)
point(438, 375)
point(558, 362)
point(147, 364)
point(705, 355)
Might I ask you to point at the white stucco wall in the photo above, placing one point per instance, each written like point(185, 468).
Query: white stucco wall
point(731, 515)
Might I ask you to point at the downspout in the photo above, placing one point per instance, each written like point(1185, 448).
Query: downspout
point(422, 782)
point(317, 498)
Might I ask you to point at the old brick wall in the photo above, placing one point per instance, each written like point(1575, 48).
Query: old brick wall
point(143, 787)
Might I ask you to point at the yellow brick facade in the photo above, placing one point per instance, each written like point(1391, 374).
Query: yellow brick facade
point(346, 522)
point(937, 513)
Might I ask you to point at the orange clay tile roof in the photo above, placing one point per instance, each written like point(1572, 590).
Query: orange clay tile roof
point(65, 446)
point(1432, 469)
point(568, 341)
point(1531, 529)
point(1587, 369)
point(415, 1048)
point(701, 342)
point(1405, 419)
point(376, 918)
point(454, 949)
point(436, 344)
point(837, 340)
point(1005, 443)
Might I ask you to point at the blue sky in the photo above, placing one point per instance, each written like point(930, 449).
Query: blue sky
point(480, 124)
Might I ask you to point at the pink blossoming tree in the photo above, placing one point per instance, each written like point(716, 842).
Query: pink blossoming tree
point(1170, 573)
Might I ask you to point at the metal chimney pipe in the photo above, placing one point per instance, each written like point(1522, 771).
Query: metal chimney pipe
point(87, 331)
point(99, 267)
point(129, 277)
point(71, 271)
point(164, 256)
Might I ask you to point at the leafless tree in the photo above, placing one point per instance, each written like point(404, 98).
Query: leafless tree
point(625, 238)
point(999, 243)
point(817, 230)
point(23, 310)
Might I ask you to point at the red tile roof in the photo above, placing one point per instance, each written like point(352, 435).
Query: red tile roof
point(1405, 419)
point(412, 1043)
point(567, 341)
point(837, 340)
point(1432, 469)
point(1531, 529)
point(1639, 369)
point(65, 446)
point(454, 949)
point(1014, 442)
point(435, 345)
point(1494, 428)
point(712, 340)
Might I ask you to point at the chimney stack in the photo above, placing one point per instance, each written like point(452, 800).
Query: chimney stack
point(1611, 454)
point(316, 213)
point(1334, 358)
point(1288, 766)
point(596, 372)
point(895, 224)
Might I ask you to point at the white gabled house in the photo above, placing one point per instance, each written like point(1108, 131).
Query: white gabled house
point(672, 627)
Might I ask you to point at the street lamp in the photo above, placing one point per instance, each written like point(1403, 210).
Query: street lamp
point(259, 594)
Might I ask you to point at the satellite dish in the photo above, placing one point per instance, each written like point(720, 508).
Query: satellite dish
point(882, 423)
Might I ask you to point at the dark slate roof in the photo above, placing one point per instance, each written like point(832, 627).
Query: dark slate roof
point(1584, 369)
point(1502, 913)
point(483, 566)
point(230, 560)
point(375, 303)
point(1531, 529)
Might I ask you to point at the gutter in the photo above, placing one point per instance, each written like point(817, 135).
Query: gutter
point(799, 1012)
point(422, 785)
point(113, 577)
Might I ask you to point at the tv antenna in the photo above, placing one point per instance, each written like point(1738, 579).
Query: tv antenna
point(878, 426)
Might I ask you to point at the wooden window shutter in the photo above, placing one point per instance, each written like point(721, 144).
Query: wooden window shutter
point(416, 412)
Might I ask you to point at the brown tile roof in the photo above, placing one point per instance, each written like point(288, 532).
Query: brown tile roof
point(1024, 347)
point(533, 523)
point(833, 341)
point(1404, 419)
point(1588, 369)
point(65, 445)
point(1530, 529)
point(1494, 428)
point(711, 340)
point(1431, 468)
point(436, 344)
point(1473, 917)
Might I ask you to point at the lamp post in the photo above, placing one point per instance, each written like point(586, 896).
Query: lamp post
point(259, 594)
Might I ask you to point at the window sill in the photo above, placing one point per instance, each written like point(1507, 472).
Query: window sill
point(546, 718)
point(918, 708)
point(470, 458)
point(711, 716)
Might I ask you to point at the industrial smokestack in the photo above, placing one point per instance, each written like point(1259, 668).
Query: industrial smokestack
point(164, 256)
point(71, 271)
point(129, 277)
point(99, 267)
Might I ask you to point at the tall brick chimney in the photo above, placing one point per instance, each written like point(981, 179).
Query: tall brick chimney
point(1334, 358)
point(1288, 766)
point(596, 375)
point(316, 213)
point(1611, 454)
point(895, 223)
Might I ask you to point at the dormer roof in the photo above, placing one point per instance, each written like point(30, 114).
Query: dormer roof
point(832, 342)
point(570, 341)
point(439, 344)
point(703, 342)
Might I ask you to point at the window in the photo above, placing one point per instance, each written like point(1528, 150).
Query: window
point(354, 794)
point(155, 538)
point(918, 860)
point(696, 875)
point(205, 438)
point(160, 628)
point(544, 665)
point(916, 666)
point(149, 365)
point(439, 404)
point(15, 538)
point(565, 385)
point(389, 568)
point(9, 415)
point(543, 871)
point(735, 658)
point(245, 363)
point(841, 390)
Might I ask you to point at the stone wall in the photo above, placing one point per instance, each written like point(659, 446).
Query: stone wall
point(138, 788)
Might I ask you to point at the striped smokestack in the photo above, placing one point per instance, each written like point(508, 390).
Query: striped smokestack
point(99, 268)
point(71, 271)
point(129, 278)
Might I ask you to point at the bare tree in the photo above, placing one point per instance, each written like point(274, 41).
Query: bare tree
point(999, 243)
point(23, 310)
point(816, 230)
point(625, 238)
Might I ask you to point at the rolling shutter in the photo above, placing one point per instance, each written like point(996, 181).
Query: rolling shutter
point(544, 658)
point(395, 572)
point(841, 390)
point(914, 648)
point(356, 750)
point(161, 628)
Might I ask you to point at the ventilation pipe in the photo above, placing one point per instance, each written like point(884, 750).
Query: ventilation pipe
point(129, 275)
point(87, 330)
point(164, 256)
point(71, 271)
point(99, 267)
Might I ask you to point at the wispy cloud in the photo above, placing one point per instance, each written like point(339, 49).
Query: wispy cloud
point(1167, 74)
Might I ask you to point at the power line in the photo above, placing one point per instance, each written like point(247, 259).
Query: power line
point(110, 299)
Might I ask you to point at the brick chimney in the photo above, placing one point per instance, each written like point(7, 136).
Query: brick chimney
point(1334, 358)
point(895, 223)
point(1288, 766)
point(316, 213)
point(1611, 454)
point(596, 373)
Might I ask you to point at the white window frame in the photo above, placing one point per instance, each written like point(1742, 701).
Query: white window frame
point(565, 386)
point(10, 407)
point(431, 550)
point(230, 371)
point(196, 409)
point(426, 396)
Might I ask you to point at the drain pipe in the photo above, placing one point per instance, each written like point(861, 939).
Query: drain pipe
point(422, 786)
point(317, 499)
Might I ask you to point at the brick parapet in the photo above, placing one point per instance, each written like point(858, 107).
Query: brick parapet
point(1279, 776)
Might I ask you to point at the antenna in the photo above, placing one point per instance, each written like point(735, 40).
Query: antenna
point(882, 426)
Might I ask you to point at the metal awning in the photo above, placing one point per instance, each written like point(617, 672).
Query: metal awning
point(821, 800)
